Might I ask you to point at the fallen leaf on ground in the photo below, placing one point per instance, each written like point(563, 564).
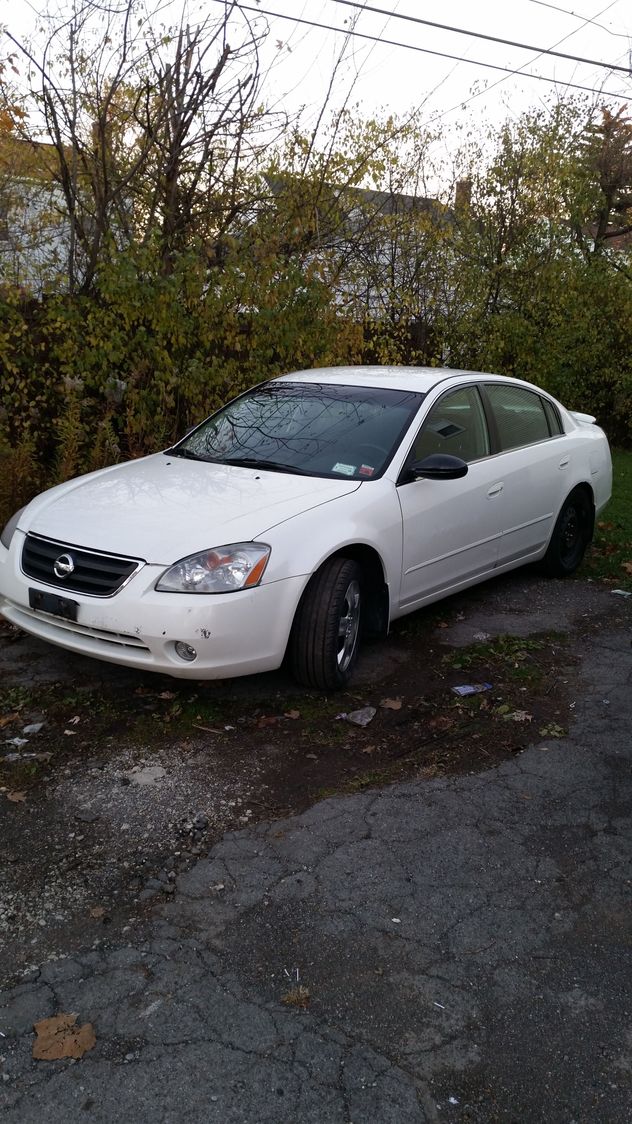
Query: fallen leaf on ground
point(441, 722)
point(167, 695)
point(97, 911)
point(267, 720)
point(60, 1037)
point(391, 704)
point(296, 997)
point(292, 714)
point(627, 566)
point(519, 716)
point(17, 797)
point(367, 749)
point(5, 719)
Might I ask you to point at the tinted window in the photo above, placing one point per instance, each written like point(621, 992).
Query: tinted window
point(519, 415)
point(553, 418)
point(456, 425)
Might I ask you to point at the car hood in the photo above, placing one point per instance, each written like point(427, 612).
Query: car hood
point(162, 508)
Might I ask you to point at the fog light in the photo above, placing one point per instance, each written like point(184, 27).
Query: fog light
point(185, 651)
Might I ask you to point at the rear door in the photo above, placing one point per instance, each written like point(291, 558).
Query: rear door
point(534, 462)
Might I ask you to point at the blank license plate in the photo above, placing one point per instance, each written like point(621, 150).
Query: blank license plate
point(53, 603)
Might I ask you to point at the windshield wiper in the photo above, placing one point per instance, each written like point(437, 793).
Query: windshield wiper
point(273, 466)
point(184, 453)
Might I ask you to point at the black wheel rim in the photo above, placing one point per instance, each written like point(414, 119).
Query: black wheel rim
point(571, 535)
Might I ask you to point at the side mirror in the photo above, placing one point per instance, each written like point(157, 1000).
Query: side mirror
point(439, 466)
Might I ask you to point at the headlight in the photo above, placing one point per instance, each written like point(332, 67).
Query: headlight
point(220, 570)
point(9, 528)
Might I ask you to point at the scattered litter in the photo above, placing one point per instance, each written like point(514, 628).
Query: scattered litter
point(149, 775)
point(481, 636)
point(519, 716)
point(229, 727)
point(439, 1005)
point(206, 729)
point(60, 1037)
point(294, 714)
point(360, 717)
point(391, 704)
point(453, 1100)
point(311, 756)
point(74, 721)
point(471, 689)
point(33, 728)
point(367, 749)
point(17, 742)
point(621, 592)
point(396, 920)
point(167, 695)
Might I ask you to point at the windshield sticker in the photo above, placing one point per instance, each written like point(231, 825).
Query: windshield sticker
point(345, 469)
point(366, 470)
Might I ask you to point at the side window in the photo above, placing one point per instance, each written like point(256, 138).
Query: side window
point(456, 425)
point(553, 418)
point(519, 415)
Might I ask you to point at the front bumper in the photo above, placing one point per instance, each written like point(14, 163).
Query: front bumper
point(233, 634)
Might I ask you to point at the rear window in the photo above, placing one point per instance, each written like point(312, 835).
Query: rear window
point(519, 414)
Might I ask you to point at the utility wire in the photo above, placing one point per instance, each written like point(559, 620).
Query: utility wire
point(424, 50)
point(518, 71)
point(478, 35)
point(584, 20)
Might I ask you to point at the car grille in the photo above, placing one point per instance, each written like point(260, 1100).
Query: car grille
point(99, 575)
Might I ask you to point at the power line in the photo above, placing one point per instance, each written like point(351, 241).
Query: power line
point(584, 20)
point(478, 35)
point(517, 71)
point(422, 50)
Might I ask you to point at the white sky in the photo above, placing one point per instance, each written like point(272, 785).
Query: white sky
point(396, 79)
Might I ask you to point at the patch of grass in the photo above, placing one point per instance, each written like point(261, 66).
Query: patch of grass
point(14, 698)
point(610, 557)
point(511, 653)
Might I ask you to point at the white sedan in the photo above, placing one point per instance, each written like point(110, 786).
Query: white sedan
point(313, 509)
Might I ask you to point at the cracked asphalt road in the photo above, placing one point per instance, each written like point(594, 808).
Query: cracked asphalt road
point(466, 944)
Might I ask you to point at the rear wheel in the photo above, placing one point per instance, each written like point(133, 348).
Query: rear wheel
point(571, 535)
point(326, 632)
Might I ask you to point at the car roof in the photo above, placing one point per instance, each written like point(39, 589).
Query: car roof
point(419, 379)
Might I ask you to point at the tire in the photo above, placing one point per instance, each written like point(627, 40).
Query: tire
point(326, 631)
point(571, 534)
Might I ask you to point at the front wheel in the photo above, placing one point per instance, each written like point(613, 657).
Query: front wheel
point(326, 631)
point(571, 535)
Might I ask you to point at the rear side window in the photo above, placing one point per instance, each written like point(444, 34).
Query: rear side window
point(553, 418)
point(519, 414)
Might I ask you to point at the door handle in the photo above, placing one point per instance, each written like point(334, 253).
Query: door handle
point(565, 463)
point(495, 490)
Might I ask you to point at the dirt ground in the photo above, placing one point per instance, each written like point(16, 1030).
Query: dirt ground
point(112, 781)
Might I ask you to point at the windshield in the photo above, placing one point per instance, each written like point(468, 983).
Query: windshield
point(309, 428)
